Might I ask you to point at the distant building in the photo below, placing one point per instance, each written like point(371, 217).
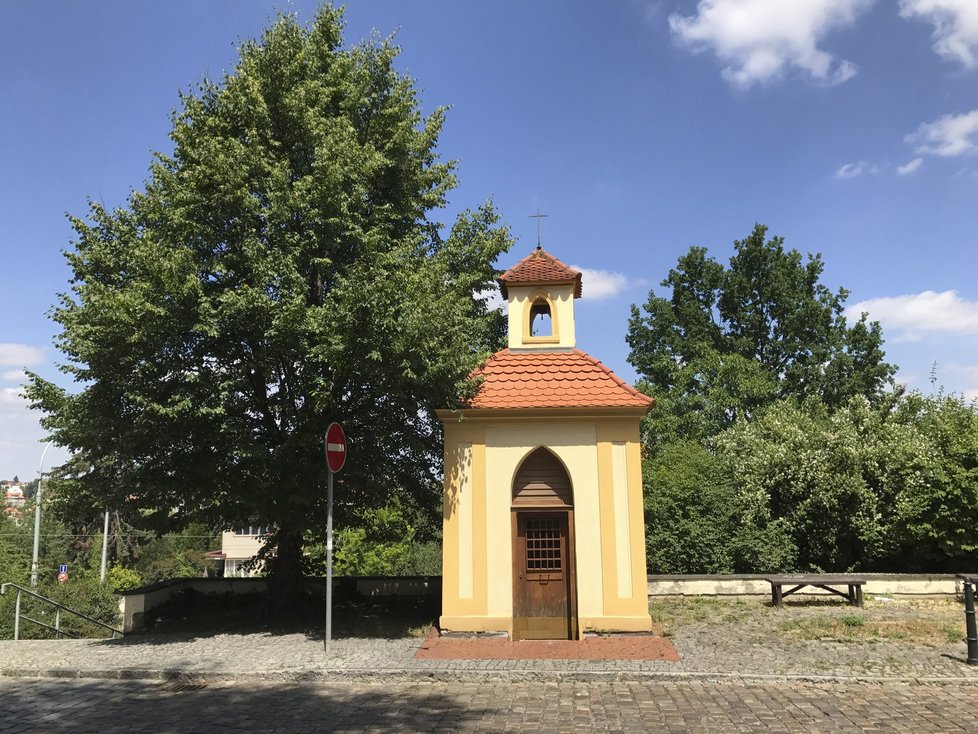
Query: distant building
point(240, 546)
point(14, 495)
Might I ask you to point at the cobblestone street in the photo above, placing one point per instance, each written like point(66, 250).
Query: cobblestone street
point(47, 705)
point(741, 668)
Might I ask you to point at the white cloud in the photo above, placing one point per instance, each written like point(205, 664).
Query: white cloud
point(967, 371)
point(852, 170)
point(947, 136)
point(494, 300)
point(908, 168)
point(905, 378)
point(21, 437)
point(907, 337)
point(11, 396)
point(966, 374)
point(955, 27)
point(760, 40)
point(597, 285)
point(921, 312)
point(20, 355)
point(14, 375)
point(600, 284)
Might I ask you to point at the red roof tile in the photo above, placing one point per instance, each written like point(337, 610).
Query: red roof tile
point(552, 380)
point(540, 267)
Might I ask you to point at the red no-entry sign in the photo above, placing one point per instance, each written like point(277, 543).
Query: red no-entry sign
point(335, 458)
point(335, 447)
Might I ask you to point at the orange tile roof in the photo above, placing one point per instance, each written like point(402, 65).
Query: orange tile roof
point(552, 380)
point(540, 267)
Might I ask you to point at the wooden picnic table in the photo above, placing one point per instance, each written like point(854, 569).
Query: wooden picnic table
point(854, 595)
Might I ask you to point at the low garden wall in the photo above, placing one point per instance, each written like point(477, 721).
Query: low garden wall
point(878, 584)
point(134, 604)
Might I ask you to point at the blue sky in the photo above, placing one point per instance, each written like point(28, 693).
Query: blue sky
point(850, 127)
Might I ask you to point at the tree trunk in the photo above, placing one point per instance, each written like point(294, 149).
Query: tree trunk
point(285, 574)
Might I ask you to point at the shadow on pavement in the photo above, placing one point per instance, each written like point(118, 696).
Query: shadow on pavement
point(84, 705)
point(829, 602)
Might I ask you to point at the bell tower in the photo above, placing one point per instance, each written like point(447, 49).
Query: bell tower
point(540, 291)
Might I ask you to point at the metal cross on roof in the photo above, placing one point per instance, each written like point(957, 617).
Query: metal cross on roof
point(538, 216)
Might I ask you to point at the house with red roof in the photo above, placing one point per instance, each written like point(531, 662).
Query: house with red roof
point(544, 534)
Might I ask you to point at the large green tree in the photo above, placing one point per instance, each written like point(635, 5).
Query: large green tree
point(280, 269)
point(727, 341)
point(889, 487)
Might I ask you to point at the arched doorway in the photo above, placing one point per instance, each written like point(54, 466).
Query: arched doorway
point(544, 598)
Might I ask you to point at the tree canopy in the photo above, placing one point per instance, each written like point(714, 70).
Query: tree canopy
point(280, 269)
point(727, 341)
point(777, 443)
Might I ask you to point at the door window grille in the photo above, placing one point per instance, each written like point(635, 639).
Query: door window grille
point(543, 545)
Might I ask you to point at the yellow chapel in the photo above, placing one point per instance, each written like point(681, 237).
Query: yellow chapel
point(544, 534)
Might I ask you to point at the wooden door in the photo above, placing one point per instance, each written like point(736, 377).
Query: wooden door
point(542, 584)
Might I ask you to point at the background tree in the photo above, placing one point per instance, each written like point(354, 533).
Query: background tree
point(935, 517)
point(82, 592)
point(730, 340)
point(281, 269)
point(699, 520)
point(691, 514)
point(887, 487)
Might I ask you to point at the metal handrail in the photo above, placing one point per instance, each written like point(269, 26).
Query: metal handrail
point(57, 618)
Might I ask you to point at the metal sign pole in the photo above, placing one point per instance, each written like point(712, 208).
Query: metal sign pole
point(329, 559)
point(335, 445)
point(105, 550)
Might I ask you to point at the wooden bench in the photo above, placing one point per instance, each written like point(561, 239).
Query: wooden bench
point(854, 594)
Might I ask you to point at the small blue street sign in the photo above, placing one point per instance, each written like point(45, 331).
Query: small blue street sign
point(63, 568)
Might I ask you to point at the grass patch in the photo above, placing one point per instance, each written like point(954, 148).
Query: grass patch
point(954, 633)
point(931, 622)
point(853, 628)
point(669, 615)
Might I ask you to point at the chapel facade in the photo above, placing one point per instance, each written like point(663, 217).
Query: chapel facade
point(544, 534)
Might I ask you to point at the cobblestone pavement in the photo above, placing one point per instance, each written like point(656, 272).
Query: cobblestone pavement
point(732, 641)
point(46, 705)
point(741, 669)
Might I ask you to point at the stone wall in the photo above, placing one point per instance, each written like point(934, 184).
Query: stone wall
point(877, 584)
point(134, 604)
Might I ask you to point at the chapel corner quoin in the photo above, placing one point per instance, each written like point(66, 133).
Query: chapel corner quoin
point(544, 533)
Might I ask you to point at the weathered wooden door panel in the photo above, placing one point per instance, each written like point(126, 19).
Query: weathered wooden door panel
point(542, 608)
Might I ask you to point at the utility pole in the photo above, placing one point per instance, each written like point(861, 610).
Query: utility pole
point(37, 517)
point(105, 548)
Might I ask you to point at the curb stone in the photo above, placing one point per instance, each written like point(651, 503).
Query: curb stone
point(408, 675)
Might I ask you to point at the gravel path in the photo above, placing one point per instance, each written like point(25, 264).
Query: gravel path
point(731, 641)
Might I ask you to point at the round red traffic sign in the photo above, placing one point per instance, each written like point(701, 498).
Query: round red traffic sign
point(335, 447)
point(62, 577)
